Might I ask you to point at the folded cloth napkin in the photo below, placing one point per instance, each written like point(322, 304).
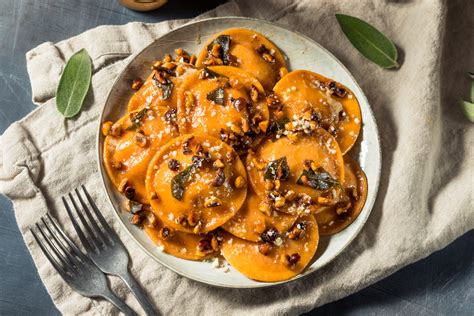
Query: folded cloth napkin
point(425, 197)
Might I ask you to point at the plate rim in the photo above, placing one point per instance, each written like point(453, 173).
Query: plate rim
point(369, 204)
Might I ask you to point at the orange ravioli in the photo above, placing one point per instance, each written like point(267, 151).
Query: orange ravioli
point(138, 135)
point(196, 183)
point(247, 50)
point(179, 244)
point(285, 259)
point(249, 222)
point(355, 186)
point(333, 105)
point(320, 148)
point(153, 94)
point(222, 103)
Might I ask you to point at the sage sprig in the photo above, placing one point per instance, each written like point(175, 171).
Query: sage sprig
point(74, 84)
point(369, 41)
point(468, 107)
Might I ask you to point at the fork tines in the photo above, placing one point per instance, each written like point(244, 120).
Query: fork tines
point(92, 236)
point(57, 247)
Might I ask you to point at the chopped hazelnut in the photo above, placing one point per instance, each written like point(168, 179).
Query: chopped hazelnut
point(218, 164)
point(212, 201)
point(268, 58)
point(265, 208)
point(116, 130)
point(106, 126)
point(263, 126)
point(277, 184)
point(173, 165)
point(279, 202)
point(239, 182)
point(169, 65)
point(269, 185)
point(214, 243)
point(140, 139)
point(123, 184)
point(167, 58)
point(293, 259)
point(290, 195)
point(220, 178)
point(215, 51)
point(192, 219)
point(129, 192)
point(265, 248)
point(137, 83)
point(282, 72)
point(254, 95)
point(326, 201)
point(137, 219)
point(193, 59)
point(240, 104)
point(236, 129)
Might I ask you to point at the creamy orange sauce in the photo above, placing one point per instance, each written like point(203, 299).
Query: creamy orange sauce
point(303, 90)
point(246, 258)
point(243, 46)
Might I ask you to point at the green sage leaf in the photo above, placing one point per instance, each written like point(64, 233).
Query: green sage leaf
point(179, 181)
point(74, 84)
point(224, 43)
point(468, 109)
point(370, 42)
point(216, 96)
point(137, 119)
point(320, 180)
point(277, 170)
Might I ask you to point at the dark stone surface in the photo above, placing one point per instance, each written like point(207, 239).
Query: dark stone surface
point(441, 284)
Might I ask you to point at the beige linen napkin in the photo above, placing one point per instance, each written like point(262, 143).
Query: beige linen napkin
point(425, 198)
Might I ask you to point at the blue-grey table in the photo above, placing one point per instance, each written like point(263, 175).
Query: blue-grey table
point(443, 283)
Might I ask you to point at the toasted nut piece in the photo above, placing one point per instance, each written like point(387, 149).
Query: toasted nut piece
point(263, 125)
point(259, 164)
point(254, 95)
point(193, 59)
point(179, 51)
point(192, 219)
point(289, 126)
point(290, 195)
point(239, 182)
point(304, 180)
point(117, 165)
point(116, 130)
point(174, 164)
point(279, 114)
point(123, 184)
point(167, 58)
point(293, 137)
point(343, 208)
point(326, 201)
point(215, 51)
point(235, 83)
point(245, 126)
point(265, 208)
point(188, 99)
point(214, 243)
point(137, 83)
point(314, 166)
point(218, 164)
point(180, 70)
point(106, 126)
point(169, 65)
point(157, 64)
point(230, 156)
point(236, 129)
point(137, 219)
point(197, 229)
point(265, 248)
point(166, 232)
point(219, 179)
point(279, 201)
point(269, 185)
point(151, 220)
point(283, 71)
point(268, 58)
point(212, 201)
point(140, 139)
point(277, 184)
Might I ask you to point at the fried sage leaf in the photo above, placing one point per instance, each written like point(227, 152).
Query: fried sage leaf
point(178, 183)
point(224, 43)
point(369, 41)
point(277, 170)
point(165, 87)
point(278, 127)
point(137, 118)
point(74, 84)
point(216, 96)
point(320, 180)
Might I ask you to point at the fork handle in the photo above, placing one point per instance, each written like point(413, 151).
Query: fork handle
point(124, 308)
point(136, 290)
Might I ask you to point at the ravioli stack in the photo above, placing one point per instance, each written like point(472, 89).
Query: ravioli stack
point(227, 153)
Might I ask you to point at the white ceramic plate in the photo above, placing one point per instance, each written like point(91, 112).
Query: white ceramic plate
point(302, 53)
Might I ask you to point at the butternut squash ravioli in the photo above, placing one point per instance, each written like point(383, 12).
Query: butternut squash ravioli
point(229, 154)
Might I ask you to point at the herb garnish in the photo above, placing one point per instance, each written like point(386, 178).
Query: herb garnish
point(136, 119)
point(74, 84)
point(224, 42)
point(369, 41)
point(216, 96)
point(278, 127)
point(277, 170)
point(179, 181)
point(166, 87)
point(320, 180)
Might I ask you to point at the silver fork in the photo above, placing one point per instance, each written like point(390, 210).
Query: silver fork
point(75, 268)
point(103, 246)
